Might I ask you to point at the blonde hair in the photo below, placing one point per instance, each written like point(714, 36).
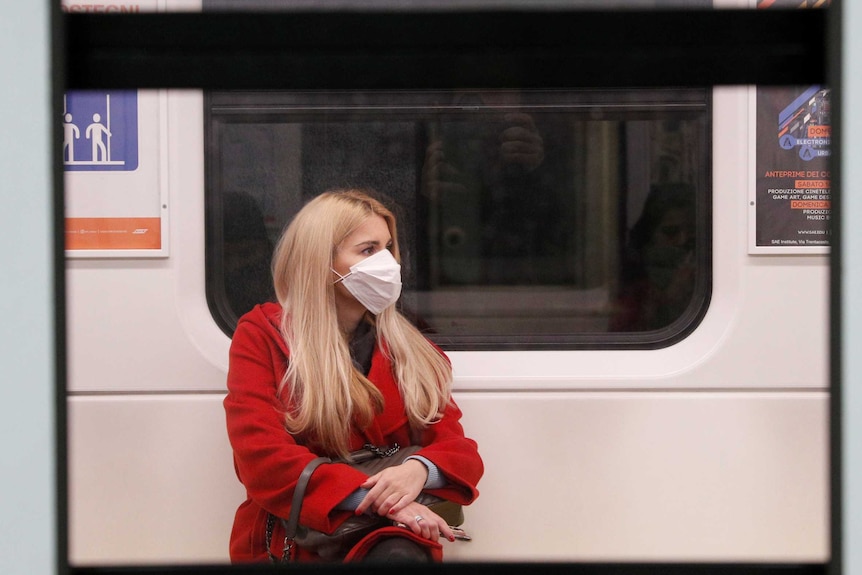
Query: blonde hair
point(324, 393)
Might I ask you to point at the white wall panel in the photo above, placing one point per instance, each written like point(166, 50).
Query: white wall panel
point(151, 480)
point(569, 476)
point(650, 476)
point(125, 333)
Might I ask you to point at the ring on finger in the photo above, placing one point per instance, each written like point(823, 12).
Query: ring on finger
point(419, 519)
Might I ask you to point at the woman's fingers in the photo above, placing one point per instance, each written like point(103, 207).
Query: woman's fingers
point(423, 522)
point(392, 486)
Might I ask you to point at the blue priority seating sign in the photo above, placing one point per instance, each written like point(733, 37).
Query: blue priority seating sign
point(100, 131)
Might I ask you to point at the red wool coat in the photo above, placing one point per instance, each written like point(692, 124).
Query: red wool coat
point(268, 461)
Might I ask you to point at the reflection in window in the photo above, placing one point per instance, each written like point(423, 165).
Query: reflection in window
point(529, 219)
point(658, 271)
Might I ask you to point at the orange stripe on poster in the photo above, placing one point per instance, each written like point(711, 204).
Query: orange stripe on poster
point(812, 184)
point(810, 204)
point(113, 233)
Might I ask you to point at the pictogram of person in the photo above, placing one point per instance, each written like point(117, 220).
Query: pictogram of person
point(70, 133)
point(94, 133)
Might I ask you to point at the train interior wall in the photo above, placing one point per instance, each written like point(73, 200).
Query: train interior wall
point(715, 448)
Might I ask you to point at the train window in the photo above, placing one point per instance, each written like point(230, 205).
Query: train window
point(530, 219)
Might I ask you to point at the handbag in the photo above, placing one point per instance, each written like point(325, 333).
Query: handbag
point(335, 546)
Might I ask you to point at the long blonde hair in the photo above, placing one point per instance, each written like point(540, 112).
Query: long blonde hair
point(324, 393)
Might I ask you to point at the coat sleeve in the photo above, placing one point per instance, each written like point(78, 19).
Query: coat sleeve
point(267, 459)
point(455, 455)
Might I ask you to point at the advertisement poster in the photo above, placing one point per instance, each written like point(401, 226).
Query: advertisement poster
point(792, 189)
point(791, 197)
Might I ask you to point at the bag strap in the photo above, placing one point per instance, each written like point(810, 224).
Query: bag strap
point(292, 522)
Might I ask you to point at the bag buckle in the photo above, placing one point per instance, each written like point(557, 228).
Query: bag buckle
point(381, 453)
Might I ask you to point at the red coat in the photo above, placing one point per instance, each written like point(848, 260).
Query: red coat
point(268, 461)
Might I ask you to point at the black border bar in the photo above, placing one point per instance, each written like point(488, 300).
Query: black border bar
point(426, 50)
point(470, 569)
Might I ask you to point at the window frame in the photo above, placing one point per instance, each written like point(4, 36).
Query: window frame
point(245, 107)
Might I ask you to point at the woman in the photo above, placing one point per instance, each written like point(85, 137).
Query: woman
point(334, 366)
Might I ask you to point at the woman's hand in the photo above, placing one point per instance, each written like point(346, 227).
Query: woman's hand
point(392, 494)
point(423, 522)
point(393, 488)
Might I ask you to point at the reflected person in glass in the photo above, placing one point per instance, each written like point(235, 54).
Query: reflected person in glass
point(494, 193)
point(660, 270)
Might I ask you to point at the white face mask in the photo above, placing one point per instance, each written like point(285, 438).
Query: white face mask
point(375, 282)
